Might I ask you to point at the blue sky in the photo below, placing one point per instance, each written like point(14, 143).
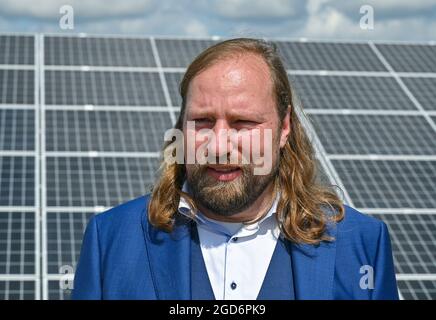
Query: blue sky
point(402, 20)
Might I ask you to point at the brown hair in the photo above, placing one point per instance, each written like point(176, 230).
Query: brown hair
point(301, 210)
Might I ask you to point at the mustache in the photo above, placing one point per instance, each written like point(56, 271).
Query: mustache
point(202, 168)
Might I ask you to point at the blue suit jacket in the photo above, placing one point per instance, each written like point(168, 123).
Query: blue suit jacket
point(124, 257)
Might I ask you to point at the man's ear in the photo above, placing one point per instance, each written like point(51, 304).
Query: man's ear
point(286, 127)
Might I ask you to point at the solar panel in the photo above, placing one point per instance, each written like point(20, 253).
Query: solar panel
point(17, 242)
point(64, 238)
point(329, 56)
point(423, 89)
point(173, 80)
point(375, 134)
point(17, 86)
point(102, 181)
point(17, 50)
point(389, 183)
point(103, 88)
point(351, 92)
point(176, 114)
point(410, 58)
point(377, 142)
point(17, 129)
point(179, 53)
point(55, 292)
point(126, 131)
point(92, 51)
point(413, 239)
point(17, 290)
point(17, 181)
point(418, 289)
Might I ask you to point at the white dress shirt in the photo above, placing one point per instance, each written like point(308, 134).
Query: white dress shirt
point(236, 255)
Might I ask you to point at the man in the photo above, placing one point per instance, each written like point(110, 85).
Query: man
point(218, 230)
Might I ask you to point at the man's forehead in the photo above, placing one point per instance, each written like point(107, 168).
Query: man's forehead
point(236, 70)
point(241, 78)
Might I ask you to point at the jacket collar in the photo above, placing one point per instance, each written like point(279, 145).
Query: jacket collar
point(169, 257)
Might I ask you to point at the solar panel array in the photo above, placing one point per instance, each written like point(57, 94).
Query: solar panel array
point(82, 121)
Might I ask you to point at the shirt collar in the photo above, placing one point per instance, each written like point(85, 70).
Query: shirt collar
point(185, 209)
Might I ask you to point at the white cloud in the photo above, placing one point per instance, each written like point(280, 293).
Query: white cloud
point(402, 4)
point(319, 19)
point(82, 8)
point(330, 23)
point(109, 17)
point(387, 9)
point(155, 25)
point(196, 29)
point(324, 24)
point(261, 9)
point(152, 26)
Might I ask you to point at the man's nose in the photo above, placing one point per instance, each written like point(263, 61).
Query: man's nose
point(220, 143)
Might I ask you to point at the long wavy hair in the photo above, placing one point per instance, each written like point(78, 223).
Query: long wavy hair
point(305, 200)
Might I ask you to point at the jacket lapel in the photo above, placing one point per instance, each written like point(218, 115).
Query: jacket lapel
point(278, 283)
point(200, 283)
point(169, 258)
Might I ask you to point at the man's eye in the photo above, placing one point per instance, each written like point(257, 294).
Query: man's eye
point(246, 122)
point(202, 121)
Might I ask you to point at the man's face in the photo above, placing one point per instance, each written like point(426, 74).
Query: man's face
point(235, 93)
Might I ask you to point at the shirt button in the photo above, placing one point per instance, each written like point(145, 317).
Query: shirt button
point(233, 286)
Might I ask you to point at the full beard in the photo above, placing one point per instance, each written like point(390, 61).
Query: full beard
point(227, 198)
